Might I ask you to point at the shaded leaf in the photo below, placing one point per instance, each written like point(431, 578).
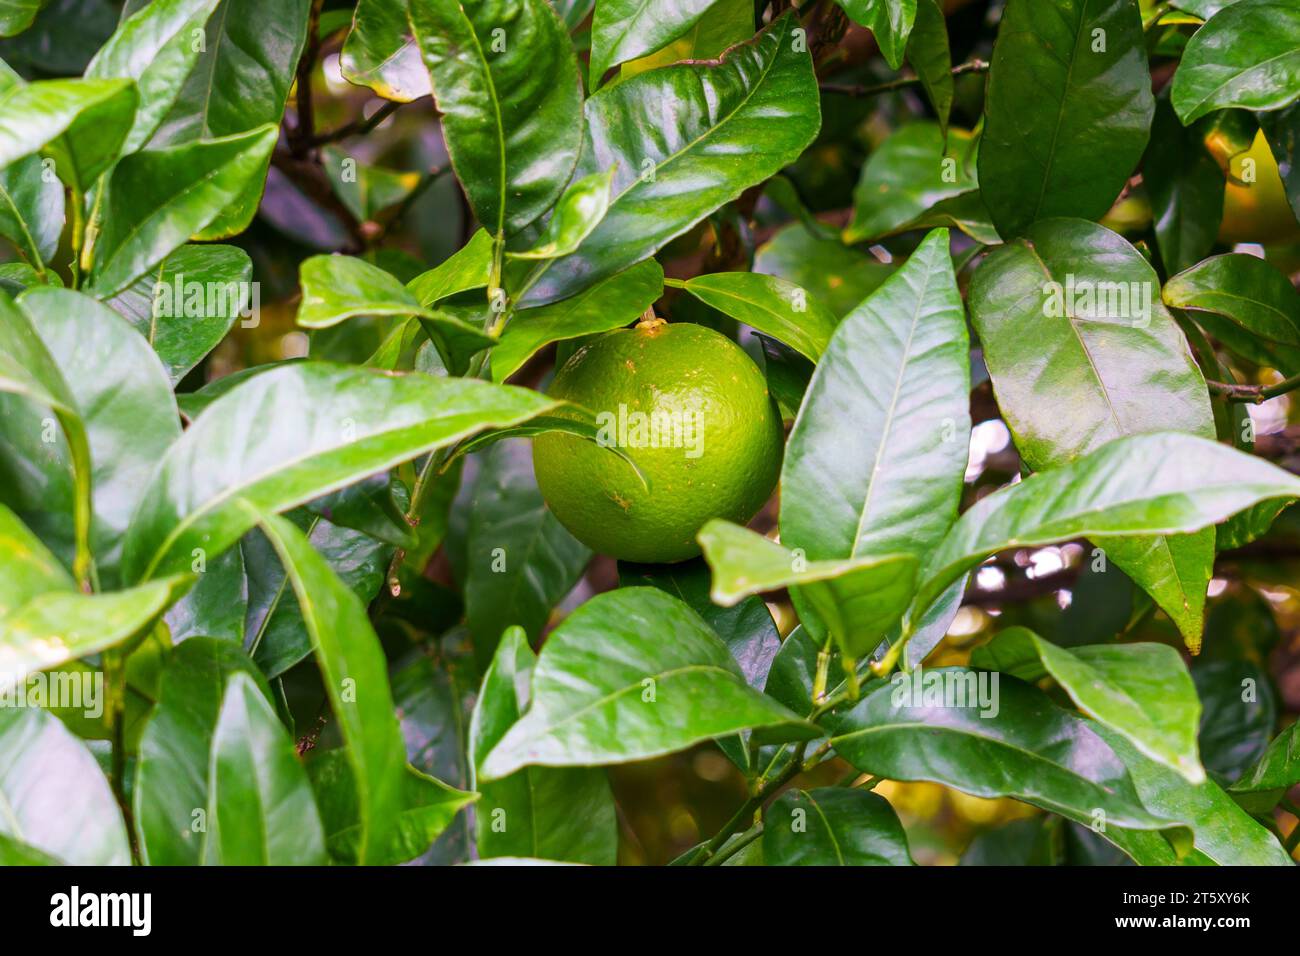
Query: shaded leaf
point(1065, 121)
point(833, 826)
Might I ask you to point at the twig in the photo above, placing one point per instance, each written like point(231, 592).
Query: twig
point(1254, 394)
point(971, 66)
point(358, 127)
point(301, 135)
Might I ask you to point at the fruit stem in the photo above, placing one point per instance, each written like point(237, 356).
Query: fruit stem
point(649, 320)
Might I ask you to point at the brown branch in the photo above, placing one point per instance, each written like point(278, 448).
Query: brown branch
point(972, 66)
point(300, 136)
point(358, 127)
point(1254, 394)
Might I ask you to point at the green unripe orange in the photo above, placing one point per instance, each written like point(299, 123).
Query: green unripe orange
point(692, 410)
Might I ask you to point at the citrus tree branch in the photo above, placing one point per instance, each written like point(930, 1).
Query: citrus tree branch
point(1254, 394)
point(858, 92)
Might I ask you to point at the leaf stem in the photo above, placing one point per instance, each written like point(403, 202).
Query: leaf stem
point(731, 849)
point(902, 82)
point(749, 808)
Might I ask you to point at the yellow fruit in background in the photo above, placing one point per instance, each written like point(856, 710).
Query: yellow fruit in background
point(1255, 206)
point(692, 410)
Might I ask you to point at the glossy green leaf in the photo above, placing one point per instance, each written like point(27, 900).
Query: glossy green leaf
point(174, 771)
point(1011, 741)
point(609, 304)
point(262, 812)
point(511, 112)
point(58, 626)
point(468, 268)
point(915, 173)
point(158, 198)
point(1277, 769)
point(187, 304)
point(153, 47)
point(17, 15)
point(366, 190)
point(1247, 292)
point(577, 213)
point(1068, 110)
point(380, 52)
point(277, 637)
point(520, 561)
point(552, 813)
point(1186, 189)
point(890, 21)
point(631, 674)
point(874, 464)
point(354, 672)
point(334, 425)
point(28, 371)
point(771, 305)
point(31, 210)
point(930, 57)
point(129, 416)
point(1222, 831)
point(833, 826)
point(427, 808)
point(726, 23)
point(665, 130)
point(1081, 352)
point(1238, 715)
point(56, 799)
point(81, 124)
point(623, 30)
point(30, 570)
point(1142, 691)
point(746, 627)
point(336, 288)
point(1247, 55)
point(1165, 483)
point(833, 274)
point(372, 506)
point(859, 598)
point(243, 74)
point(217, 604)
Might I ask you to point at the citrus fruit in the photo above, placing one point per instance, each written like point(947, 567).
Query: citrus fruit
point(691, 409)
point(1255, 206)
